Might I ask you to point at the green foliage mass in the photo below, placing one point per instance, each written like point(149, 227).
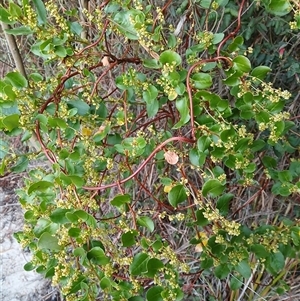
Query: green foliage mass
point(171, 143)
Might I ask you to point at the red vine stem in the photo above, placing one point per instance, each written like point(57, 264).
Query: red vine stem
point(157, 149)
point(235, 31)
point(189, 88)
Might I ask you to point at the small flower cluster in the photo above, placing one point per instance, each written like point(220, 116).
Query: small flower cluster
point(213, 215)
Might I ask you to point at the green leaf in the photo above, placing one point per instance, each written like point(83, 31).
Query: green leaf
point(40, 186)
point(154, 293)
point(218, 37)
point(201, 80)
point(44, 225)
point(60, 51)
point(203, 143)
point(82, 107)
point(5, 16)
point(41, 11)
point(244, 269)
point(29, 266)
point(153, 266)
point(241, 63)
point(21, 164)
point(59, 216)
point(76, 28)
point(128, 238)
point(213, 187)
point(201, 220)
point(182, 107)
point(259, 251)
point(223, 203)
point(235, 283)
point(11, 122)
point(98, 256)
point(22, 30)
point(177, 195)
point(146, 221)
point(222, 271)
point(105, 283)
point(36, 77)
point(170, 57)
point(236, 44)
point(278, 7)
point(269, 162)
point(74, 232)
point(120, 200)
point(285, 176)
point(275, 263)
point(139, 264)
point(150, 97)
point(48, 241)
point(197, 158)
point(17, 79)
point(136, 298)
point(260, 72)
point(152, 64)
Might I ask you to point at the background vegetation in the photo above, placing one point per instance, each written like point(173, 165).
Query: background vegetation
point(171, 134)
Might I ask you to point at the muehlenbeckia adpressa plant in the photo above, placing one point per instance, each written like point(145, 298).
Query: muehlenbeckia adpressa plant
point(148, 143)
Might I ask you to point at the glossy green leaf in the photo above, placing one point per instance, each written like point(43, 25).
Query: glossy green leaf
point(146, 221)
point(154, 293)
point(150, 97)
point(275, 262)
point(152, 64)
point(41, 11)
point(153, 266)
point(105, 283)
point(11, 122)
point(177, 195)
point(201, 220)
point(235, 283)
point(48, 241)
point(170, 57)
point(17, 79)
point(242, 64)
point(59, 216)
point(98, 256)
point(39, 186)
point(223, 203)
point(260, 72)
point(197, 158)
point(269, 162)
point(120, 200)
point(236, 44)
point(74, 232)
point(139, 264)
point(29, 266)
point(218, 37)
point(5, 16)
point(222, 271)
point(202, 80)
point(259, 250)
point(60, 51)
point(244, 269)
point(22, 30)
point(285, 176)
point(82, 107)
point(128, 238)
point(203, 143)
point(212, 187)
point(278, 7)
point(182, 107)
